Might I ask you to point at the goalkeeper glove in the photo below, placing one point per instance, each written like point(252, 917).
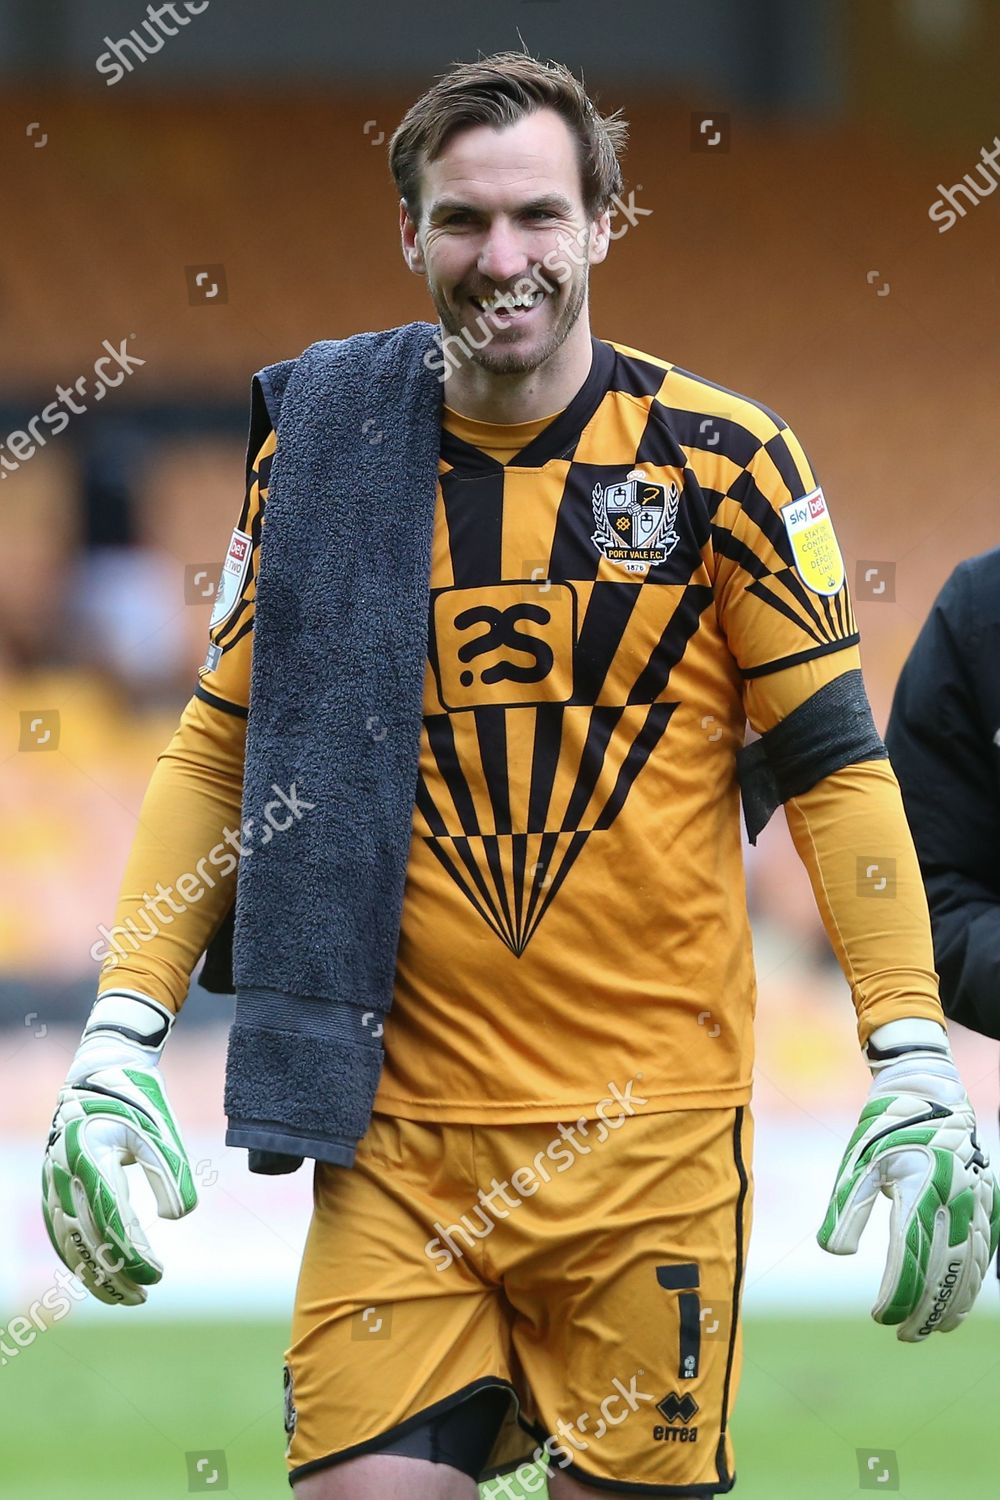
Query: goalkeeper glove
point(916, 1142)
point(113, 1111)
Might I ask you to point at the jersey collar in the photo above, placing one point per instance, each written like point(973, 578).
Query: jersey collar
point(555, 440)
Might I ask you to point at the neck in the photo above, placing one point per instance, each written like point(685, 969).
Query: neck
point(522, 396)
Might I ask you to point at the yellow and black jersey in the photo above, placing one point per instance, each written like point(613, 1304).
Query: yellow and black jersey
point(741, 471)
point(614, 591)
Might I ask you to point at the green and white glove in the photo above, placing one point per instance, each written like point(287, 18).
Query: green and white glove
point(113, 1111)
point(916, 1142)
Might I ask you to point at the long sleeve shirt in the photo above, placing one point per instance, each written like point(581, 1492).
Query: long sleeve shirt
point(614, 596)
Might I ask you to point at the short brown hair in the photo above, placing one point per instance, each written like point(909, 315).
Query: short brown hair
point(498, 91)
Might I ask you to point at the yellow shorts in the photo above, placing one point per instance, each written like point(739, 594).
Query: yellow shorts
point(591, 1270)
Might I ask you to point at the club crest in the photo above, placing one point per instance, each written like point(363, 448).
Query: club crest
point(635, 521)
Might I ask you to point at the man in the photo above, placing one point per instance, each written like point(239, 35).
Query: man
point(627, 562)
point(944, 738)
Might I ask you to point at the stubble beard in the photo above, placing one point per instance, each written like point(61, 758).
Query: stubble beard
point(501, 357)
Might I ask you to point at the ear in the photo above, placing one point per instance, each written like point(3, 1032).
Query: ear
point(600, 238)
point(412, 253)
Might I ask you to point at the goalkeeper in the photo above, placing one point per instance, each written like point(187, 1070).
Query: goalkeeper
point(573, 909)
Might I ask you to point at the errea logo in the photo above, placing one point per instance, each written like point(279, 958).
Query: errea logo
point(677, 1409)
point(674, 1406)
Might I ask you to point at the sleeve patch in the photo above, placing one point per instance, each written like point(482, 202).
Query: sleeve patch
point(818, 559)
point(231, 579)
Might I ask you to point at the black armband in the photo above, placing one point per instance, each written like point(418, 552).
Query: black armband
point(832, 729)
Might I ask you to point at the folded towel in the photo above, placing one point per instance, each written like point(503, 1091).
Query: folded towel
point(333, 737)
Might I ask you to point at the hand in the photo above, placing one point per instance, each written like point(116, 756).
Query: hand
point(916, 1142)
point(113, 1111)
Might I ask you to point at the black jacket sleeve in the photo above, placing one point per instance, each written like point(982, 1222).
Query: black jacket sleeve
point(944, 744)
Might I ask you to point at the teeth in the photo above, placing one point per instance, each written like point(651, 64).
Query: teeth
point(505, 300)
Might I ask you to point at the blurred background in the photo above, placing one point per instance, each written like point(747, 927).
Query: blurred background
point(196, 200)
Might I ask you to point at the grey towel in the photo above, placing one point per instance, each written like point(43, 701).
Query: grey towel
point(333, 736)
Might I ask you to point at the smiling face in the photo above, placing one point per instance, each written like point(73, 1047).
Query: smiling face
point(505, 242)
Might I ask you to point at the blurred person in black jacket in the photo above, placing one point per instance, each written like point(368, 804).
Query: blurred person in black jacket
point(944, 744)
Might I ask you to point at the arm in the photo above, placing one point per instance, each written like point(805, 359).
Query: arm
point(916, 1139)
point(850, 832)
point(940, 740)
point(178, 886)
point(180, 879)
point(784, 606)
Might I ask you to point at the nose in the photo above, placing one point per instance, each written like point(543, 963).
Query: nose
point(502, 257)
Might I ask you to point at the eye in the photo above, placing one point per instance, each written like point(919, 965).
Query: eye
point(538, 213)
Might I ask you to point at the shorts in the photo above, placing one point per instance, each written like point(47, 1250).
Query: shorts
point(592, 1272)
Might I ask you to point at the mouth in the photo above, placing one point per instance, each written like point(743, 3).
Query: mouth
point(504, 309)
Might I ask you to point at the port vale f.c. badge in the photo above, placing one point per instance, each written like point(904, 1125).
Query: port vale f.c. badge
point(635, 521)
